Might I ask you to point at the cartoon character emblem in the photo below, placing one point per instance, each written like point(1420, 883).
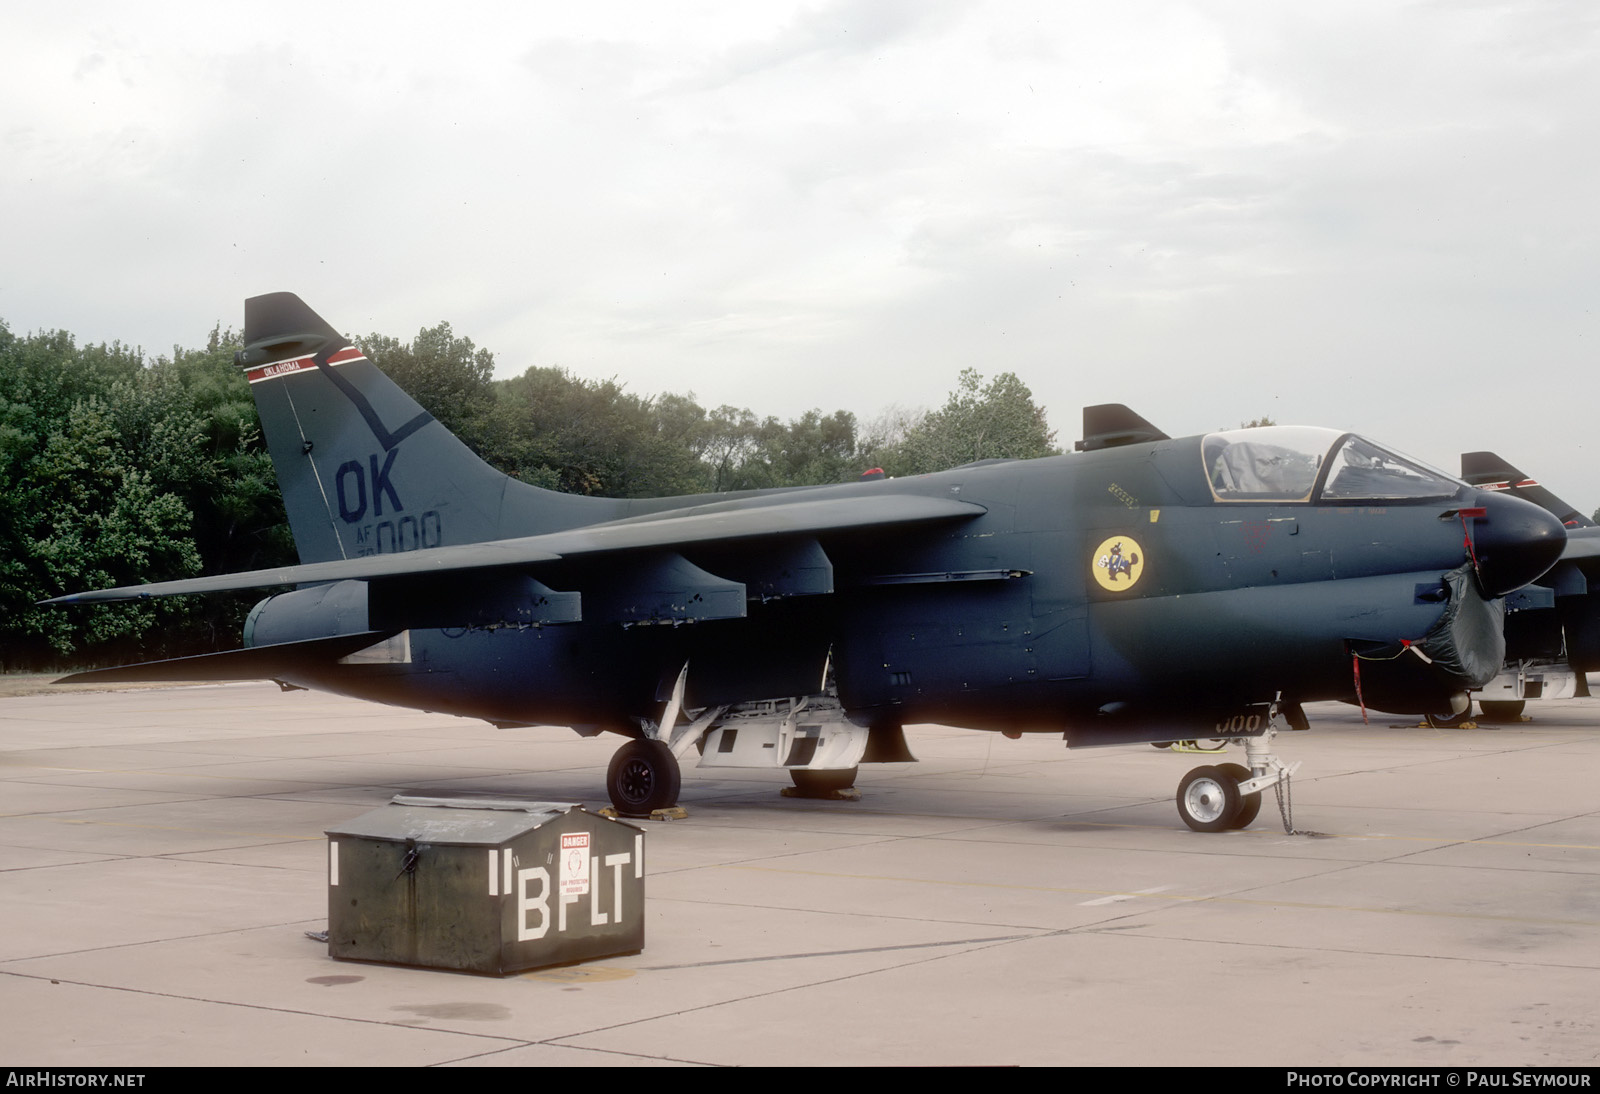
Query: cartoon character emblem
point(1118, 563)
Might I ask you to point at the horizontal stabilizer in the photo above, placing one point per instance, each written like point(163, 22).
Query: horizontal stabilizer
point(702, 525)
point(255, 663)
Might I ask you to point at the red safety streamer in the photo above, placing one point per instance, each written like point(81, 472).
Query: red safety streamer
point(1466, 539)
point(1355, 664)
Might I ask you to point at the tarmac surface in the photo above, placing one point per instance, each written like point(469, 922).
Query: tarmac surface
point(162, 858)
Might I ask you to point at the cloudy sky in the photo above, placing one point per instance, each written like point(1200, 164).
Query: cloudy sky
point(1374, 214)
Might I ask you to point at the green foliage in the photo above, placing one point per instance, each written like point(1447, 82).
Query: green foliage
point(82, 506)
point(592, 437)
point(725, 442)
point(449, 377)
point(811, 450)
point(116, 472)
point(979, 421)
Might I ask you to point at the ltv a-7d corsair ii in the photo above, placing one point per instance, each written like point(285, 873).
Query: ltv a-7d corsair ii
point(1552, 625)
point(1142, 589)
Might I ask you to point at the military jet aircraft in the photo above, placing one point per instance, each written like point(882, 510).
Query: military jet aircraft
point(1142, 589)
point(1552, 625)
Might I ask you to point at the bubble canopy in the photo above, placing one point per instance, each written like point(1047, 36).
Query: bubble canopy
point(1306, 463)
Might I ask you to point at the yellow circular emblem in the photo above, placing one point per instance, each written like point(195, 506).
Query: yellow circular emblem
point(1118, 562)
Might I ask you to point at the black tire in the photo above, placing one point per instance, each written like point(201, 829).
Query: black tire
point(1161, 744)
point(823, 782)
point(1503, 710)
point(643, 777)
point(1249, 804)
point(1208, 800)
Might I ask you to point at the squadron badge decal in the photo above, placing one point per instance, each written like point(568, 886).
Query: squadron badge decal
point(1118, 562)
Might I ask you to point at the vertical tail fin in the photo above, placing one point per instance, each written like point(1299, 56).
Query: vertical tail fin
point(365, 470)
point(1491, 472)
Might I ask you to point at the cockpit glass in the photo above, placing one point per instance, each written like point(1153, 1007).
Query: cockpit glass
point(1285, 463)
point(1271, 463)
point(1361, 470)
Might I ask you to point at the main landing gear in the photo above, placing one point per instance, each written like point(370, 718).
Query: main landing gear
point(809, 735)
point(1216, 798)
point(643, 776)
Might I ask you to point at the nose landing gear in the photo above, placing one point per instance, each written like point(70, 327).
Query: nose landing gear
point(1226, 796)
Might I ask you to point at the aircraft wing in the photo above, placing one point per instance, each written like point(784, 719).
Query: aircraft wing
point(698, 527)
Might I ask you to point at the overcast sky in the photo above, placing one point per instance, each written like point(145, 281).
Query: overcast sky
point(1373, 215)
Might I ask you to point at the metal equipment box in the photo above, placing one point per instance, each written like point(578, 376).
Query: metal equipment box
point(486, 885)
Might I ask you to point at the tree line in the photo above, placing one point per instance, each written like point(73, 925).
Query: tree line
point(117, 469)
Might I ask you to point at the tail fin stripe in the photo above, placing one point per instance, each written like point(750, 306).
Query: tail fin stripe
point(298, 364)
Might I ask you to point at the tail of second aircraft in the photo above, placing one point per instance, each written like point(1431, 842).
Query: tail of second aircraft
point(364, 470)
point(1492, 472)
